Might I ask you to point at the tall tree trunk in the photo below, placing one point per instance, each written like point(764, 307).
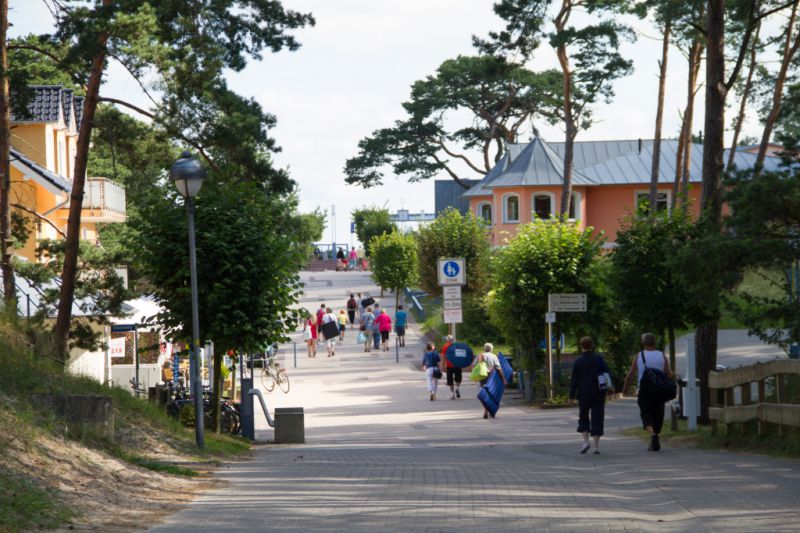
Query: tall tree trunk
point(662, 81)
point(676, 186)
point(789, 51)
point(571, 131)
point(695, 57)
point(713, 147)
point(72, 245)
point(748, 86)
point(9, 288)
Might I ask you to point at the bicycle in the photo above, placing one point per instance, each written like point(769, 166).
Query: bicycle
point(272, 374)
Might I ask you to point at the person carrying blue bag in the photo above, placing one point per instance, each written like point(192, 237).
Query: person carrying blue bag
point(491, 391)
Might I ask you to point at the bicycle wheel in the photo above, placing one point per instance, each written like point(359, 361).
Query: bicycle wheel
point(267, 378)
point(283, 381)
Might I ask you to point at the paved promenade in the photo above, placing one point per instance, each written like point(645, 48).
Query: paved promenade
point(381, 457)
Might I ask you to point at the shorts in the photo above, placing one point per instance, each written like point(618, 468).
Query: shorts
point(384, 336)
point(400, 330)
point(342, 327)
point(453, 376)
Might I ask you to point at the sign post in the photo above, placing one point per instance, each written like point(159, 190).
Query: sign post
point(559, 303)
point(452, 276)
point(125, 328)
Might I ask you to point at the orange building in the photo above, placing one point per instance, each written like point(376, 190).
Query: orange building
point(610, 179)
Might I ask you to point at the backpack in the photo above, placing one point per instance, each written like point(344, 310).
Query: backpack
point(351, 303)
point(656, 384)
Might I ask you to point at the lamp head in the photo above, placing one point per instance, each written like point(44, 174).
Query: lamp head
point(187, 174)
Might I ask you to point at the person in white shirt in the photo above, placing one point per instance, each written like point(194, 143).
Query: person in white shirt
point(650, 409)
point(331, 342)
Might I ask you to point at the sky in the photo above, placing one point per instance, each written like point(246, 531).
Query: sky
point(354, 70)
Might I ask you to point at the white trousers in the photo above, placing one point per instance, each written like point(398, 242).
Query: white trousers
point(433, 383)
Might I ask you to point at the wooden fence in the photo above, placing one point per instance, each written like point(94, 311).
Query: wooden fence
point(722, 386)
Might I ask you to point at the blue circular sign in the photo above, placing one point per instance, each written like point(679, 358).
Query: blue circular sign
point(451, 269)
point(460, 355)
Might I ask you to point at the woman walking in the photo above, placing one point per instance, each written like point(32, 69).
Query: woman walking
point(367, 318)
point(330, 341)
point(310, 334)
point(492, 365)
point(589, 385)
point(431, 364)
point(651, 409)
point(384, 327)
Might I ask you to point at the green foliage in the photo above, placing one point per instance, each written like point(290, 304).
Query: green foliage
point(499, 96)
point(646, 282)
point(371, 222)
point(593, 50)
point(308, 230)
point(544, 257)
point(99, 290)
point(763, 224)
point(247, 263)
point(453, 235)
point(394, 260)
point(25, 506)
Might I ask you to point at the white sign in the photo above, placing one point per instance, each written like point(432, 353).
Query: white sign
point(452, 271)
point(568, 303)
point(451, 292)
point(116, 347)
point(452, 304)
point(550, 318)
point(453, 316)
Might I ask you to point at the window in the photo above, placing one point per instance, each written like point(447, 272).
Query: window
point(485, 212)
point(511, 208)
point(542, 205)
point(662, 200)
point(575, 206)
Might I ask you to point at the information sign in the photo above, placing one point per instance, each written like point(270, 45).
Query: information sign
point(453, 316)
point(122, 328)
point(116, 347)
point(568, 303)
point(452, 271)
point(550, 318)
point(452, 304)
point(451, 292)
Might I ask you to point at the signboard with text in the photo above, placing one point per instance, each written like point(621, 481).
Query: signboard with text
point(568, 303)
point(452, 271)
point(453, 316)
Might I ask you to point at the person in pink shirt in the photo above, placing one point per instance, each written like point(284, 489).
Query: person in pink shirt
point(385, 327)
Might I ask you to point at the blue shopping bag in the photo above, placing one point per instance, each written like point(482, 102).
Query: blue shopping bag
point(491, 394)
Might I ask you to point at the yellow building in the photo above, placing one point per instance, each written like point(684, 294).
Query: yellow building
point(43, 147)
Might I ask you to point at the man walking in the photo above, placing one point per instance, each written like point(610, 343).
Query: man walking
point(454, 374)
point(589, 385)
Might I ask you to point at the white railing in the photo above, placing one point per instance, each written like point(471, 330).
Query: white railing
point(105, 195)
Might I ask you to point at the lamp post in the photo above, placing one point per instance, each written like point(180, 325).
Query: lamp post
point(188, 176)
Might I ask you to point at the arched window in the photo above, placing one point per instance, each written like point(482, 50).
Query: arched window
point(542, 205)
point(575, 206)
point(485, 212)
point(511, 208)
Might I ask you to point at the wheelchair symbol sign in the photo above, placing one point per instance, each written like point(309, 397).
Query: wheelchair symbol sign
point(452, 272)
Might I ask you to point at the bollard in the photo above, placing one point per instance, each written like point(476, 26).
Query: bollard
point(295, 353)
point(396, 350)
point(247, 411)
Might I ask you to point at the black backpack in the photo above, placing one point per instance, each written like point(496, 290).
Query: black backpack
point(656, 385)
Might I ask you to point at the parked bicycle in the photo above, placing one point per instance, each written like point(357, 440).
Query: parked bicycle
point(272, 374)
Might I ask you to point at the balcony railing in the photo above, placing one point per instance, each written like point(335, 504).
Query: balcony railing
point(103, 201)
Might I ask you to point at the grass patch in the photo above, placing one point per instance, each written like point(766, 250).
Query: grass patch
point(158, 466)
point(740, 437)
point(25, 506)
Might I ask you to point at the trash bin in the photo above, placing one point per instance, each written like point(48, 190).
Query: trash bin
point(682, 383)
point(289, 425)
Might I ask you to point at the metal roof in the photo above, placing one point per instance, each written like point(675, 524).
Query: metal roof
point(512, 151)
point(537, 164)
point(49, 180)
point(622, 162)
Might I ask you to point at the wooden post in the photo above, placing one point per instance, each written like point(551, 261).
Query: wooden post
point(781, 394)
point(746, 391)
point(728, 403)
point(713, 402)
point(761, 397)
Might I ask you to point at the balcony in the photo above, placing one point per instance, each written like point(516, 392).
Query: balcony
point(103, 201)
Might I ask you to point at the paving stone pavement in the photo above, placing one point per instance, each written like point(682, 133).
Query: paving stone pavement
point(380, 456)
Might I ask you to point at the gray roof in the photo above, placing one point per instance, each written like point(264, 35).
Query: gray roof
point(537, 164)
point(512, 151)
point(49, 180)
point(623, 162)
point(52, 102)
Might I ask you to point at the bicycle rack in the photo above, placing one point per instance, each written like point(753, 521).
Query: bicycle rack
point(256, 392)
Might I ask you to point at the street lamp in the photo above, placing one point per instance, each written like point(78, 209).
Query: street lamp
point(188, 176)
